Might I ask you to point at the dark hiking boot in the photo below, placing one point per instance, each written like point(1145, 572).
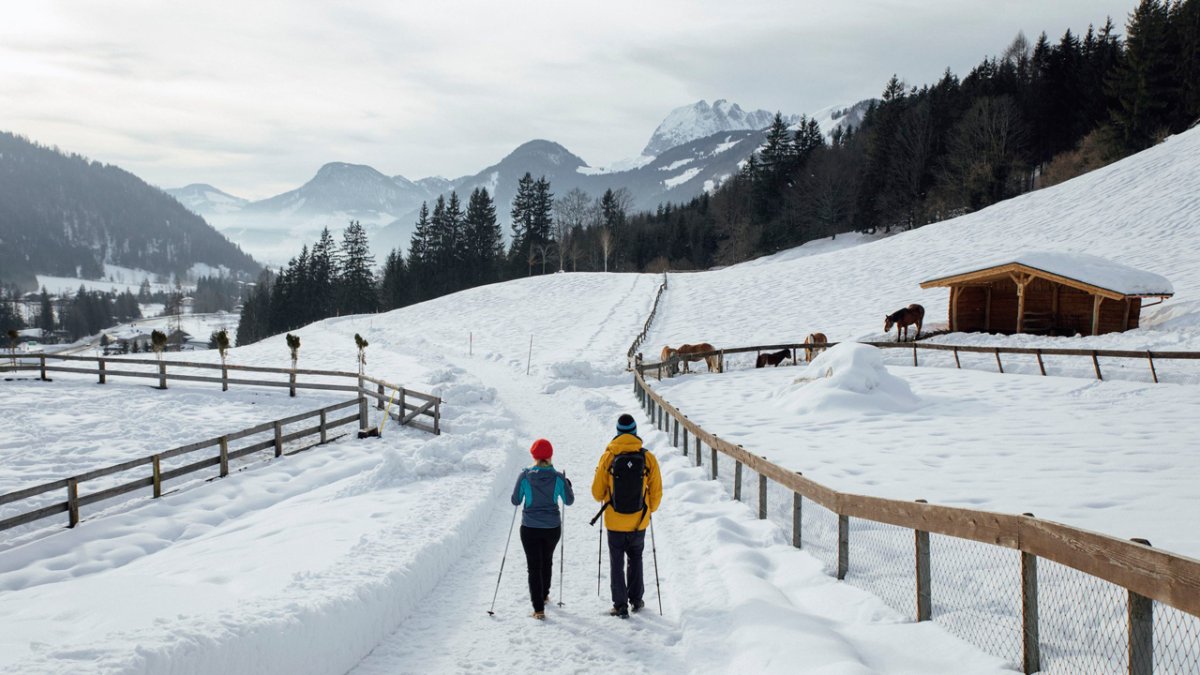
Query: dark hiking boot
point(637, 605)
point(540, 616)
point(619, 611)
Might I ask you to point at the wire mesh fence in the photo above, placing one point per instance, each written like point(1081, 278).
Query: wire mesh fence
point(1083, 624)
point(883, 562)
point(1176, 640)
point(976, 592)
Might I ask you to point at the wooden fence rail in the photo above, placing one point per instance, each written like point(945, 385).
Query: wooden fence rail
point(75, 501)
point(426, 416)
point(671, 365)
point(641, 337)
point(1145, 572)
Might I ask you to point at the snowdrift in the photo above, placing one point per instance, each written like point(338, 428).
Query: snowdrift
point(847, 377)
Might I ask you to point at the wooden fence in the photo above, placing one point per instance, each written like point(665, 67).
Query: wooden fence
point(75, 501)
point(1147, 574)
point(641, 337)
point(671, 365)
point(411, 408)
point(414, 406)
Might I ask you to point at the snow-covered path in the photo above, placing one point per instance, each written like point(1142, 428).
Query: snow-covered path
point(735, 594)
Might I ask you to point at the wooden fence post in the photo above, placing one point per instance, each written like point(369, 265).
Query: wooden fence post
point(1041, 364)
point(1153, 373)
point(675, 432)
point(224, 377)
point(224, 456)
point(1141, 631)
point(157, 477)
point(162, 374)
point(957, 363)
point(72, 502)
point(797, 522)
point(699, 452)
point(1096, 365)
point(44, 378)
point(914, 355)
point(278, 438)
point(363, 415)
point(924, 595)
point(713, 457)
point(998, 364)
point(437, 418)
point(379, 403)
point(325, 430)
point(403, 410)
point(721, 362)
point(102, 375)
point(762, 497)
point(292, 384)
point(1030, 641)
point(843, 561)
point(737, 480)
point(685, 441)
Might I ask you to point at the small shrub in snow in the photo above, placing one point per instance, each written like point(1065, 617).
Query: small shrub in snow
point(293, 343)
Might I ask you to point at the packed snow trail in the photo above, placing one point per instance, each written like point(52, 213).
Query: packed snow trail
point(735, 595)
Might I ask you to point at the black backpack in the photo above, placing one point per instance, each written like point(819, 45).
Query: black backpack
point(629, 472)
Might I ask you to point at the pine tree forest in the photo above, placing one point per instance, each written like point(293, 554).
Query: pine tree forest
point(1038, 114)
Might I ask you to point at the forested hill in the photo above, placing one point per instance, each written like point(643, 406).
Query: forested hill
point(64, 215)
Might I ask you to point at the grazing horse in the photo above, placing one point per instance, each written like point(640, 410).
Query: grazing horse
point(773, 358)
point(687, 353)
point(902, 318)
point(814, 339)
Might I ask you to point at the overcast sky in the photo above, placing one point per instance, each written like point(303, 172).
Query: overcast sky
point(254, 97)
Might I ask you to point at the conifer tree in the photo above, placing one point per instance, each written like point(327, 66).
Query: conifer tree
point(419, 262)
point(484, 241)
point(393, 285)
point(1143, 82)
point(356, 274)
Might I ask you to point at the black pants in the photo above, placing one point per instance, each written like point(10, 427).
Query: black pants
point(626, 585)
point(539, 543)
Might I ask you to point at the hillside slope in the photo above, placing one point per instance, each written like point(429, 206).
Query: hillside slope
point(63, 215)
point(1143, 212)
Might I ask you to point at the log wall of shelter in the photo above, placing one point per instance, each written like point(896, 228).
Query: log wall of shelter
point(991, 306)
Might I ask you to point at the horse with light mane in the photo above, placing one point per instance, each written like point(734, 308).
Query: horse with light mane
point(688, 353)
point(814, 339)
point(902, 319)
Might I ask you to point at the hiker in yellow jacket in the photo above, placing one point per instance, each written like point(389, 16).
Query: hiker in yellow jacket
point(629, 484)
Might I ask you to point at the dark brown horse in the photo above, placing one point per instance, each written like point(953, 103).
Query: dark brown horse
point(773, 358)
point(687, 353)
point(902, 319)
point(814, 339)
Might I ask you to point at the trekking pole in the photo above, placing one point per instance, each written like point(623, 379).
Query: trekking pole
point(599, 555)
point(654, 552)
point(491, 612)
point(562, 557)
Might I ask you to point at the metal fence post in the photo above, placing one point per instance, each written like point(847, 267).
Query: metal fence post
point(843, 562)
point(1141, 631)
point(924, 596)
point(797, 504)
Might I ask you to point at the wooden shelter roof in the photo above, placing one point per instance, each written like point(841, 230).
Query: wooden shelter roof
point(1090, 273)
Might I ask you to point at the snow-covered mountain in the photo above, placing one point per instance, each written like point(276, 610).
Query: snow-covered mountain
point(699, 120)
point(693, 150)
point(204, 199)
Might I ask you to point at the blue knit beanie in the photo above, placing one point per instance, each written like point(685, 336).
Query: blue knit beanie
point(626, 425)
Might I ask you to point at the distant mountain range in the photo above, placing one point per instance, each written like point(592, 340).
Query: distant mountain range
point(63, 215)
point(693, 150)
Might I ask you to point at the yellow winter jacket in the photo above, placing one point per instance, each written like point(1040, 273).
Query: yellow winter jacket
point(602, 485)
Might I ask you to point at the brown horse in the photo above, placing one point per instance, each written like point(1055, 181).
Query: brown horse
point(686, 354)
point(773, 358)
point(902, 319)
point(814, 339)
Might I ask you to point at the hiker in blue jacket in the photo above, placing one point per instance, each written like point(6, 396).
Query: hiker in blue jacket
point(539, 488)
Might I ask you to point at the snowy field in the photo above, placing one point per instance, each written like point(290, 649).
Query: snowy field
point(380, 555)
point(1106, 456)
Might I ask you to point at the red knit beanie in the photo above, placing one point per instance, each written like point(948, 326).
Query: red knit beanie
point(541, 449)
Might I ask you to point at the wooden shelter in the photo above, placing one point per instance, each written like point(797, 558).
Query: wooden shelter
point(1050, 292)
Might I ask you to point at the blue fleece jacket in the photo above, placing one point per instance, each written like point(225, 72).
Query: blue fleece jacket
point(540, 488)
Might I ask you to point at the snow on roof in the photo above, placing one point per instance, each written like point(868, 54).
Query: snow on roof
point(1082, 267)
